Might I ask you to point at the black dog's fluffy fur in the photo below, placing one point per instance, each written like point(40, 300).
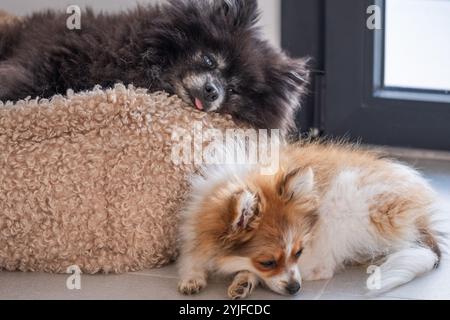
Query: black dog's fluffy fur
point(159, 48)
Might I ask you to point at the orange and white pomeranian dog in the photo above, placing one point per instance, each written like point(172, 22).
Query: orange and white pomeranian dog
point(326, 206)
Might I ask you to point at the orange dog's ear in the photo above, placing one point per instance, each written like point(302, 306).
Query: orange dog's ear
point(245, 215)
point(299, 186)
point(246, 210)
point(297, 182)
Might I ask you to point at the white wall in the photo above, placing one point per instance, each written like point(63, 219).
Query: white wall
point(271, 19)
point(271, 9)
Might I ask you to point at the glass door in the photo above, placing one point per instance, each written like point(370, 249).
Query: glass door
point(387, 72)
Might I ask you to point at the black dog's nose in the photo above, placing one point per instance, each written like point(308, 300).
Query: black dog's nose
point(210, 92)
point(293, 287)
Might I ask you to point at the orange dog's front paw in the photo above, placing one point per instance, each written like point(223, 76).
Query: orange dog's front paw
point(242, 286)
point(191, 286)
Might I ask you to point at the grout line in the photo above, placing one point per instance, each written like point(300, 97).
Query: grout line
point(141, 274)
point(412, 153)
point(403, 298)
point(322, 290)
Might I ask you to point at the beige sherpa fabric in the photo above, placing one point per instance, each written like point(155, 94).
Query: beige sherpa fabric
point(89, 180)
point(6, 18)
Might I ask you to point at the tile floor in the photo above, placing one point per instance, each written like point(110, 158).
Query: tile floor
point(162, 283)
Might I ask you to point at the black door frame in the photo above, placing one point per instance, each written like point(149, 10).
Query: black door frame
point(353, 99)
point(303, 34)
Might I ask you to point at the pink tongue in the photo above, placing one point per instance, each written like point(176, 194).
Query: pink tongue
point(198, 104)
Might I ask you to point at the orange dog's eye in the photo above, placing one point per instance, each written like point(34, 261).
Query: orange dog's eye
point(298, 253)
point(271, 264)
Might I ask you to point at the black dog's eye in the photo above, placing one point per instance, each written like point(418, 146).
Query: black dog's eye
point(298, 253)
point(208, 61)
point(232, 91)
point(268, 264)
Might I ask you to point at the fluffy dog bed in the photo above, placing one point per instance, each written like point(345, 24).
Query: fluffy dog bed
point(88, 180)
point(6, 18)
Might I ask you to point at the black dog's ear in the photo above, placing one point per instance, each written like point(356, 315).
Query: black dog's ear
point(296, 183)
point(239, 13)
point(296, 72)
point(290, 78)
point(295, 77)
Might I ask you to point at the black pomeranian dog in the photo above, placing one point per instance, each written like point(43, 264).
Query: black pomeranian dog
point(209, 53)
